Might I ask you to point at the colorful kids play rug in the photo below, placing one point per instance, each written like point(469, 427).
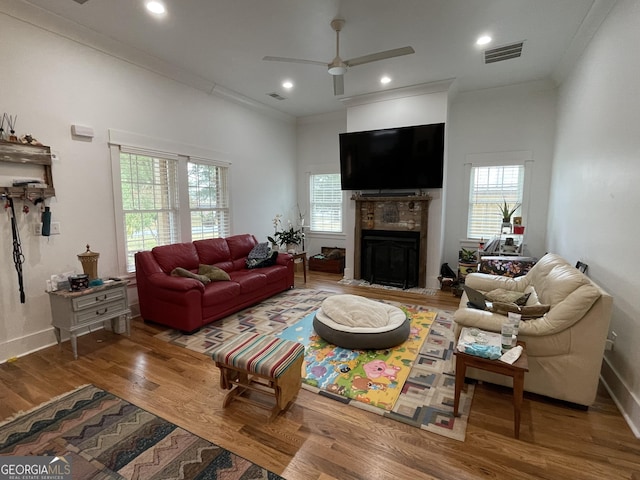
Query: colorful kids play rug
point(372, 377)
point(413, 383)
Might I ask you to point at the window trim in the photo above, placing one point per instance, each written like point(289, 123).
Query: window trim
point(140, 144)
point(498, 159)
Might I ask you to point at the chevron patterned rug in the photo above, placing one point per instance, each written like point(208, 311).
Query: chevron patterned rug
point(102, 436)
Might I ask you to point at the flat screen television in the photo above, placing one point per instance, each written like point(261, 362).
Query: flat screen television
point(393, 158)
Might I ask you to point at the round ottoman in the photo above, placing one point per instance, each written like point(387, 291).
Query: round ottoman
point(357, 323)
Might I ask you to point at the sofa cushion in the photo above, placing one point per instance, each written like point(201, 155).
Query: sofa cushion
point(507, 296)
point(249, 280)
point(240, 246)
point(176, 255)
point(183, 272)
point(213, 273)
point(212, 251)
point(216, 293)
point(562, 280)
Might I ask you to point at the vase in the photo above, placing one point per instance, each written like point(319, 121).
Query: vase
point(291, 247)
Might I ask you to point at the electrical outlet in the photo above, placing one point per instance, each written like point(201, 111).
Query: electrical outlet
point(37, 229)
point(55, 228)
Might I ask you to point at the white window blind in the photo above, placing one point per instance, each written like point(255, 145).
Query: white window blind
point(325, 203)
point(208, 200)
point(149, 202)
point(490, 187)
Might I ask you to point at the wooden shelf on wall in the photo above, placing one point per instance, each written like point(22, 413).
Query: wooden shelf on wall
point(28, 155)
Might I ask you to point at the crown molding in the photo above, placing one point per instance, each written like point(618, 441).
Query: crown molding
point(393, 94)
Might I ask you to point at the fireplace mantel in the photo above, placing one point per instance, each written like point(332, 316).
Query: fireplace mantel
point(392, 213)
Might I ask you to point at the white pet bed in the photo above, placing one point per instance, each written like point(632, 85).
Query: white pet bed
point(357, 323)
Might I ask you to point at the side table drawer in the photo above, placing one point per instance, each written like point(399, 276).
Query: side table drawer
point(97, 299)
point(107, 310)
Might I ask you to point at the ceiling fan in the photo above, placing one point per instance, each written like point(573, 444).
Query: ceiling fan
point(338, 67)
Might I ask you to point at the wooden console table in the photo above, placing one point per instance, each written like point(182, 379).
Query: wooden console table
point(303, 256)
point(515, 371)
point(73, 311)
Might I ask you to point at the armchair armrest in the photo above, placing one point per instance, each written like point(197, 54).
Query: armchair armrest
point(283, 258)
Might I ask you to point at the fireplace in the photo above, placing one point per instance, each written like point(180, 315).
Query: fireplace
point(390, 244)
point(390, 257)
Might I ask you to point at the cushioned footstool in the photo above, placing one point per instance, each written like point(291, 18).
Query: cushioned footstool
point(261, 363)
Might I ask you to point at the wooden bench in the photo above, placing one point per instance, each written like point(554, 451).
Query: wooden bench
point(252, 362)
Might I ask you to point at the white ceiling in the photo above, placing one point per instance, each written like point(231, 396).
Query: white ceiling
point(220, 43)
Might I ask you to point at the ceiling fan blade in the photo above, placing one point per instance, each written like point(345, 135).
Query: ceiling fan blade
point(338, 84)
point(374, 57)
point(293, 60)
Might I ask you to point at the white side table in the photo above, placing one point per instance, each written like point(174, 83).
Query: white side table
point(74, 311)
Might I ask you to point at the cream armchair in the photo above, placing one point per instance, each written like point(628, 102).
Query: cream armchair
point(565, 346)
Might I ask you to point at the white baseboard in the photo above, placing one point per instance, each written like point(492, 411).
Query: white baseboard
point(21, 346)
point(624, 398)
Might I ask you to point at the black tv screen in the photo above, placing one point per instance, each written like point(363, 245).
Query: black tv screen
point(393, 158)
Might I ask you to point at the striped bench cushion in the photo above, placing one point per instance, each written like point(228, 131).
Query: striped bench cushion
point(255, 353)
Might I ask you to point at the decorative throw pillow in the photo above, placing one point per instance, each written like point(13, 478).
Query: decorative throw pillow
point(183, 272)
point(526, 312)
point(507, 296)
point(213, 273)
point(264, 262)
point(260, 251)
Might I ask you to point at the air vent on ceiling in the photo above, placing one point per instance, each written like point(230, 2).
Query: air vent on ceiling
point(276, 96)
point(505, 52)
point(81, 2)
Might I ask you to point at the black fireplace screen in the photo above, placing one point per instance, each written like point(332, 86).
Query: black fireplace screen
point(390, 257)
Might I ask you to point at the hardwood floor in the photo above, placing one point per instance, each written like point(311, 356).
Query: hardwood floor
point(318, 438)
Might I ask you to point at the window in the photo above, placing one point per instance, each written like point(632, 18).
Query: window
point(490, 187)
point(149, 202)
point(208, 201)
point(325, 203)
point(164, 198)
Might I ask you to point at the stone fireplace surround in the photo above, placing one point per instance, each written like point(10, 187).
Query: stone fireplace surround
point(388, 214)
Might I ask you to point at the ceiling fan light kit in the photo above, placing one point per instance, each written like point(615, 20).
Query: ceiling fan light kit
point(338, 67)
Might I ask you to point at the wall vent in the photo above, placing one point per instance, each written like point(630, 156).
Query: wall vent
point(276, 96)
point(505, 52)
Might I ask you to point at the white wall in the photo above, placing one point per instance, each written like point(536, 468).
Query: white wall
point(51, 82)
point(594, 193)
point(371, 112)
point(318, 151)
point(518, 118)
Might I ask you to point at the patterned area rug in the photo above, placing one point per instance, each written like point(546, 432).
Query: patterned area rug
point(103, 436)
point(426, 397)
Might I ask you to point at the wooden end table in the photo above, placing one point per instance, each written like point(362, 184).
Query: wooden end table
point(515, 371)
point(303, 256)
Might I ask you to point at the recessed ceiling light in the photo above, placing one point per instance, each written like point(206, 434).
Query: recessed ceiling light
point(155, 7)
point(483, 40)
point(384, 80)
point(287, 84)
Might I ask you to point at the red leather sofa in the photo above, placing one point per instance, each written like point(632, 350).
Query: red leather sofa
point(187, 304)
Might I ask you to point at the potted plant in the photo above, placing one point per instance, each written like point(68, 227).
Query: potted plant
point(506, 211)
point(290, 238)
point(467, 262)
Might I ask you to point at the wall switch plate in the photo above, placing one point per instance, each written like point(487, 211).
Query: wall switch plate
point(54, 229)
